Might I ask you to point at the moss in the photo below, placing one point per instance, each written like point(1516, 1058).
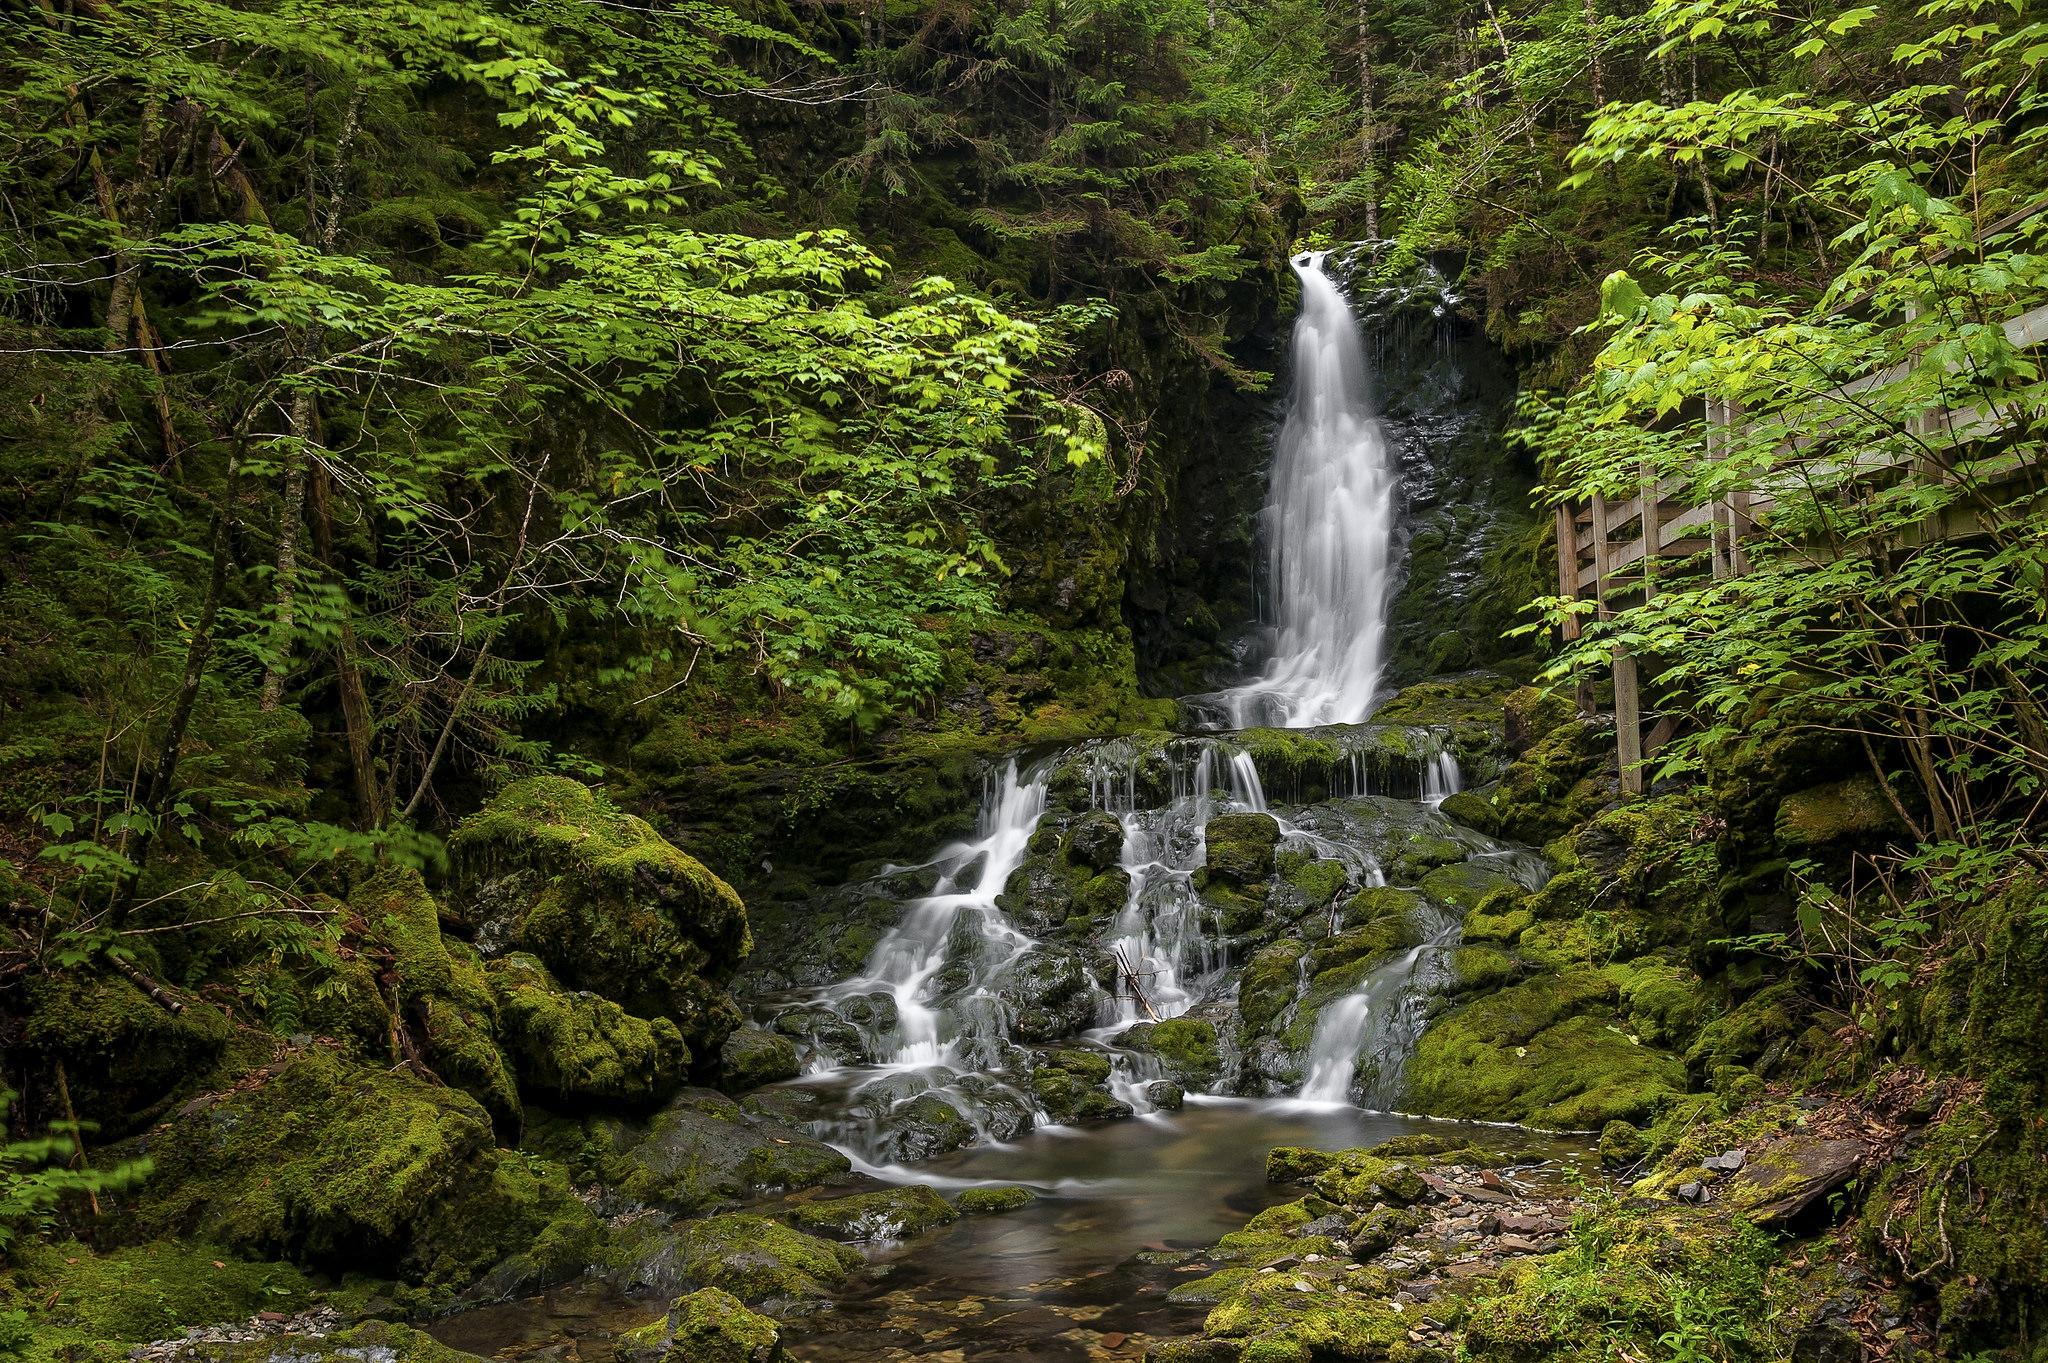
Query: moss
point(1502, 916)
point(760, 1261)
point(581, 1046)
point(1477, 968)
point(753, 1056)
point(1464, 885)
point(704, 1150)
point(1473, 810)
point(890, 1214)
point(1279, 1323)
point(1320, 879)
point(1070, 1086)
point(330, 1164)
point(1186, 1046)
point(987, 1201)
point(1621, 1144)
point(1852, 809)
point(1267, 985)
point(465, 1054)
point(1239, 848)
point(1095, 840)
point(78, 1299)
point(1284, 1217)
point(606, 903)
point(1529, 715)
point(1559, 783)
point(1375, 921)
point(707, 1326)
point(1356, 1178)
point(1550, 1050)
point(122, 1053)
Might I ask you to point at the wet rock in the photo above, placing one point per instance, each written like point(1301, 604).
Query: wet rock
point(1053, 994)
point(825, 1033)
point(1095, 840)
point(1000, 1111)
point(312, 1337)
point(708, 1326)
point(1471, 809)
point(1166, 1095)
point(1072, 1086)
point(1267, 984)
point(987, 1201)
point(1692, 1192)
point(704, 1150)
point(891, 1214)
point(921, 1128)
point(1240, 848)
point(753, 1056)
point(1186, 1048)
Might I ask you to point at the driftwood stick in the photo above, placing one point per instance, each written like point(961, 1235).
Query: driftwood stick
point(1130, 976)
point(157, 993)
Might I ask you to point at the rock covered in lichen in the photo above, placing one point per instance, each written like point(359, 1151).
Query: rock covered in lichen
point(759, 1261)
point(704, 1150)
point(753, 1056)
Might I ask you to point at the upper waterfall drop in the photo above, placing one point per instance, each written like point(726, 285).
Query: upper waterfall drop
point(1329, 526)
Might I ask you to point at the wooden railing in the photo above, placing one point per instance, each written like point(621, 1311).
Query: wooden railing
point(1609, 550)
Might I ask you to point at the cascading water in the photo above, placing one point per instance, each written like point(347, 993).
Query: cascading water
point(1329, 527)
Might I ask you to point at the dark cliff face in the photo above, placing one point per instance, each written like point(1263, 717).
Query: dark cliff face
point(1471, 549)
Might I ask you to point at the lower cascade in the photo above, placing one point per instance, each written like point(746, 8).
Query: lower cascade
point(1135, 923)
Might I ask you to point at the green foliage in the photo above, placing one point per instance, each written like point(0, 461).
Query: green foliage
point(38, 1174)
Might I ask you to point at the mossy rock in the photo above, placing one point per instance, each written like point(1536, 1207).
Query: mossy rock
point(1274, 1321)
point(1095, 840)
point(709, 1325)
point(890, 1214)
point(122, 1054)
point(1502, 916)
point(1556, 785)
point(753, 1056)
point(1072, 1087)
point(581, 1046)
point(1550, 1051)
point(704, 1150)
point(1419, 853)
point(371, 1341)
point(1240, 848)
point(462, 1045)
point(1839, 812)
point(1320, 879)
point(989, 1201)
point(759, 1261)
point(1478, 968)
point(1464, 885)
point(1529, 715)
point(326, 1163)
point(1376, 922)
point(1471, 809)
point(1266, 986)
point(606, 903)
point(1187, 1047)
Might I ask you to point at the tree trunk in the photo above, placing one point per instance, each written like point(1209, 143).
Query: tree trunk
point(1592, 12)
point(1368, 125)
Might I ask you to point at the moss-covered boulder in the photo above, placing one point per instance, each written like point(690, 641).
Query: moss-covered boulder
point(553, 867)
point(761, 1262)
point(1186, 1047)
point(1239, 848)
point(1267, 985)
point(709, 1325)
point(1852, 811)
point(123, 1054)
point(1530, 714)
point(890, 1214)
point(1095, 840)
point(1559, 783)
point(989, 1201)
point(1472, 809)
point(327, 1163)
point(1073, 1086)
point(753, 1056)
point(704, 1150)
point(1553, 1051)
point(570, 1046)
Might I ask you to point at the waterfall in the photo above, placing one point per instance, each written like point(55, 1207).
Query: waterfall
point(1328, 523)
point(904, 962)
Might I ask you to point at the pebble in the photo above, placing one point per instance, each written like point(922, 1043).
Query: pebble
point(1727, 1162)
